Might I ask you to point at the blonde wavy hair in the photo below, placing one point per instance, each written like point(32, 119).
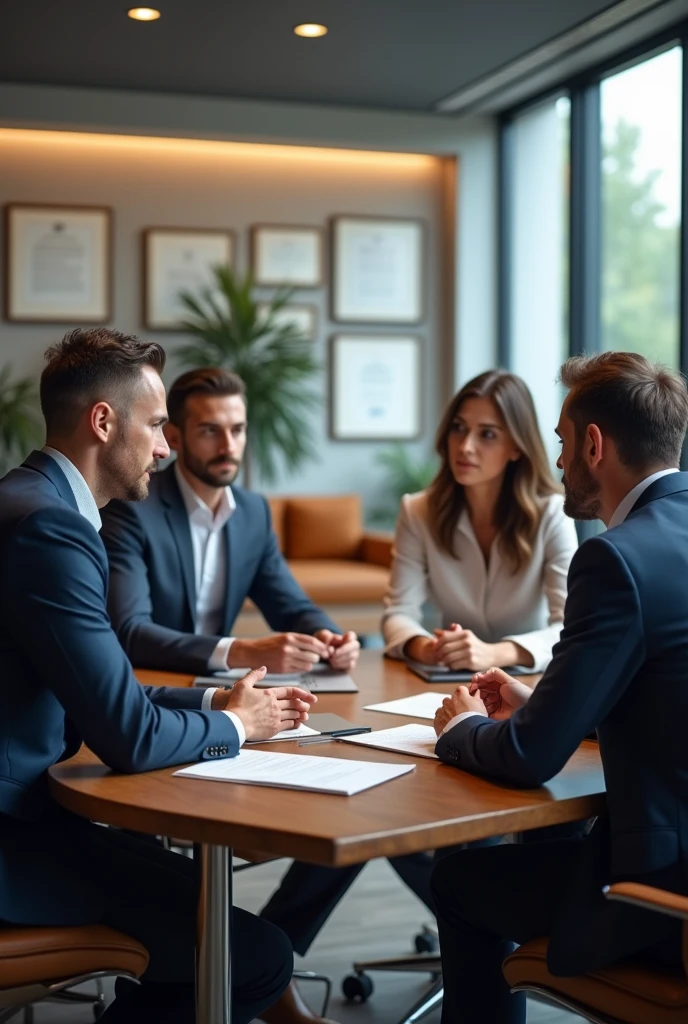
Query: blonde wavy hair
point(527, 482)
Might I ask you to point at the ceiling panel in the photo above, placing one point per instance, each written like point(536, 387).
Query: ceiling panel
point(404, 54)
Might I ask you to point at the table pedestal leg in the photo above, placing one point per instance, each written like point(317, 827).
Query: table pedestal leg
point(213, 945)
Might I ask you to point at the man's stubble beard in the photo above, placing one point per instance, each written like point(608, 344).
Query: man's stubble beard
point(201, 472)
point(124, 478)
point(581, 492)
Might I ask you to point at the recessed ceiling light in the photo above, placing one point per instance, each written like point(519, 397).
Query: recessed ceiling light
point(143, 13)
point(310, 30)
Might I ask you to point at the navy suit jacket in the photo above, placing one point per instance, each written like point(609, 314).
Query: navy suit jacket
point(152, 598)
point(64, 677)
point(621, 667)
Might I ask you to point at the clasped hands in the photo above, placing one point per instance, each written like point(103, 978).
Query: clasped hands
point(296, 652)
point(492, 693)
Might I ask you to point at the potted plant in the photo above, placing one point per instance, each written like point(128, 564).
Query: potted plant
point(272, 357)
point(404, 476)
point(20, 429)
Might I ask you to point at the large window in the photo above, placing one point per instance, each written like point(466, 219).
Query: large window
point(538, 233)
point(591, 194)
point(640, 111)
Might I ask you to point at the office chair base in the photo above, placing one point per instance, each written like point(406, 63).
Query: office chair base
point(312, 976)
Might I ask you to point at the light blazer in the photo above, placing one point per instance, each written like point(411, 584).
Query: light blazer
point(621, 667)
point(495, 603)
point(64, 677)
point(152, 598)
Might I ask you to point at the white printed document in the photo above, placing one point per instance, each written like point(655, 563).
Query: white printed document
point(417, 740)
point(422, 705)
point(289, 734)
point(297, 771)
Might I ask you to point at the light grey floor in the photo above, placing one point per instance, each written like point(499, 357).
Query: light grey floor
point(379, 917)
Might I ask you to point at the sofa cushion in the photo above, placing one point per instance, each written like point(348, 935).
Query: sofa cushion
point(328, 527)
point(340, 581)
point(278, 511)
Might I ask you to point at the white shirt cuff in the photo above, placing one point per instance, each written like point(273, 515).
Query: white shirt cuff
point(238, 725)
point(459, 718)
point(217, 662)
point(206, 705)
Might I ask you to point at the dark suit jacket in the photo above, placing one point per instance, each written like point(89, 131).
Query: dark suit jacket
point(621, 667)
point(64, 676)
point(152, 597)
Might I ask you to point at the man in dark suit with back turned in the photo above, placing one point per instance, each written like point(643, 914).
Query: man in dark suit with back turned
point(183, 562)
point(64, 677)
point(621, 667)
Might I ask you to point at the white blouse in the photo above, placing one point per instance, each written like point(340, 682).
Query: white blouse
point(492, 600)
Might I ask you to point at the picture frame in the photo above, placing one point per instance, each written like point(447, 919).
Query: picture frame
point(303, 314)
point(375, 387)
point(177, 260)
point(288, 255)
point(377, 270)
point(58, 263)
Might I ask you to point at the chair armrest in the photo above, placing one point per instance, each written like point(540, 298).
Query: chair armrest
point(649, 898)
point(376, 548)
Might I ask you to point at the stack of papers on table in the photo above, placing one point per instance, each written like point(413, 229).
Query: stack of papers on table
point(422, 705)
point(289, 734)
point(297, 771)
point(417, 740)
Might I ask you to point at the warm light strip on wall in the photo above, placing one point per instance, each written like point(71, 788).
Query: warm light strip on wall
point(212, 147)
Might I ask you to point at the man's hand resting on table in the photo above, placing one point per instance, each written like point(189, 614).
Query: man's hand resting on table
point(492, 693)
point(280, 652)
point(342, 650)
point(500, 693)
point(461, 700)
point(264, 712)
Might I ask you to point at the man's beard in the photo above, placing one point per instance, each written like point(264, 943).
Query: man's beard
point(202, 470)
point(581, 492)
point(124, 475)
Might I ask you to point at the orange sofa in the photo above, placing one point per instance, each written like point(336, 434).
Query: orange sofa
point(342, 567)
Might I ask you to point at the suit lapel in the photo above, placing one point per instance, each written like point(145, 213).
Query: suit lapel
point(178, 521)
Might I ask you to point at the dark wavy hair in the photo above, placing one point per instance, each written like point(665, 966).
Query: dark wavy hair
point(527, 483)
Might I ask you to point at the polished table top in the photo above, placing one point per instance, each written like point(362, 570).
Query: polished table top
point(436, 805)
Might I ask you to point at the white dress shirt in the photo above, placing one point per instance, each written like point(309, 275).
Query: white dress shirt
point(621, 512)
point(496, 603)
point(86, 505)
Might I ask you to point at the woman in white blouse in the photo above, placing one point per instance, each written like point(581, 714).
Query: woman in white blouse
point(488, 543)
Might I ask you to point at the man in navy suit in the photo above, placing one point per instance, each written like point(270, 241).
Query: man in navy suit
point(183, 562)
point(621, 667)
point(66, 678)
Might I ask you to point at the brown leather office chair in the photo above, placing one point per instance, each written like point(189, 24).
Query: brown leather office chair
point(39, 963)
point(628, 992)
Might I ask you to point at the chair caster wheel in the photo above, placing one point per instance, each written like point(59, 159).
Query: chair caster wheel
point(426, 942)
point(357, 987)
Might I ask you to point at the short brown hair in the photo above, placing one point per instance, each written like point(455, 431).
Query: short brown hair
point(642, 406)
point(92, 365)
point(209, 380)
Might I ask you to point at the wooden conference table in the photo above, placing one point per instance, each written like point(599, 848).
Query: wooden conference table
point(436, 805)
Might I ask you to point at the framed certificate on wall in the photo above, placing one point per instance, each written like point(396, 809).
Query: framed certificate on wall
point(287, 255)
point(57, 263)
point(377, 270)
point(177, 260)
point(375, 388)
